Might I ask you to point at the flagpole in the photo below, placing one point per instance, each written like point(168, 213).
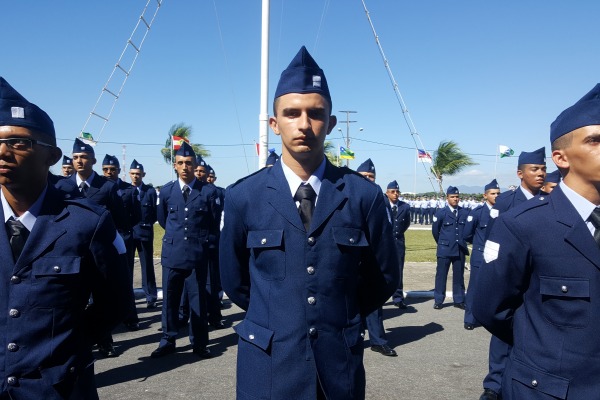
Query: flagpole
point(172, 161)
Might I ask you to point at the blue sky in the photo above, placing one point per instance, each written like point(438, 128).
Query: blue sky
point(479, 73)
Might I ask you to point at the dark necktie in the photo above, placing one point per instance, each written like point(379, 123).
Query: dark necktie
point(186, 192)
point(83, 187)
point(17, 236)
point(455, 213)
point(306, 196)
point(394, 211)
point(595, 220)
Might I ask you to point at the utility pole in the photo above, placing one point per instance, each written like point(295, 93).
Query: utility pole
point(124, 176)
point(348, 122)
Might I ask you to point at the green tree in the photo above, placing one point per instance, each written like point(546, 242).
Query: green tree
point(449, 160)
point(183, 131)
point(331, 153)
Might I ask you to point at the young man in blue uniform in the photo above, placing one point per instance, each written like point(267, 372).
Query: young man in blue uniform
point(213, 284)
point(400, 216)
point(143, 231)
point(475, 231)
point(374, 321)
point(67, 166)
point(531, 170)
point(102, 192)
point(538, 289)
point(447, 229)
point(111, 168)
point(306, 250)
point(56, 252)
point(188, 211)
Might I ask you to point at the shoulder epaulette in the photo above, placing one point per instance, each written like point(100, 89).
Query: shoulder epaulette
point(263, 170)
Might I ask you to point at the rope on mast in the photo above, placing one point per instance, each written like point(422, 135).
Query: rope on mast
point(407, 118)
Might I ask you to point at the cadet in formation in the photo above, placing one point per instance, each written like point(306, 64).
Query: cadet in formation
point(143, 231)
point(188, 211)
point(67, 166)
point(447, 229)
point(531, 170)
point(538, 289)
point(307, 251)
point(56, 252)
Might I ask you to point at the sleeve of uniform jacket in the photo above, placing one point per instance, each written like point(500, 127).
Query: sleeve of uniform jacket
point(111, 284)
point(379, 267)
point(502, 279)
point(234, 256)
point(438, 221)
point(117, 209)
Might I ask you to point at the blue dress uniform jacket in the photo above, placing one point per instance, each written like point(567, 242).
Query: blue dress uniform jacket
point(509, 199)
point(475, 233)
point(538, 291)
point(305, 292)
point(447, 231)
point(47, 327)
point(188, 225)
point(144, 229)
point(104, 193)
point(399, 225)
point(131, 207)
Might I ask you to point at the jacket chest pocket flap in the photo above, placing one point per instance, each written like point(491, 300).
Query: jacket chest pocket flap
point(566, 301)
point(55, 281)
point(269, 253)
point(352, 237)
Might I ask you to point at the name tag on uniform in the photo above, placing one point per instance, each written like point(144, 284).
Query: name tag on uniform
point(490, 251)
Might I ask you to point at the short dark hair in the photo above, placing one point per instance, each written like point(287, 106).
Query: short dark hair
point(562, 142)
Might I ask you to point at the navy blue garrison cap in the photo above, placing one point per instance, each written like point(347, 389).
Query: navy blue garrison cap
point(200, 161)
point(452, 190)
point(583, 113)
point(393, 185)
point(209, 170)
point(367, 166)
point(81, 147)
point(67, 161)
point(492, 185)
point(303, 75)
point(185, 150)
point(136, 165)
point(535, 157)
point(553, 177)
point(272, 159)
point(15, 110)
point(111, 160)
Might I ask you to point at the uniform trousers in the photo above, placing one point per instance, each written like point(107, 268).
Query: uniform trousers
point(145, 251)
point(458, 280)
point(398, 296)
point(374, 324)
point(173, 283)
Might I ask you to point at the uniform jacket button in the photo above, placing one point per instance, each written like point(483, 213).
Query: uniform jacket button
point(564, 289)
point(312, 300)
point(351, 240)
point(72, 369)
point(263, 241)
point(12, 347)
point(11, 380)
point(534, 383)
point(56, 268)
point(185, 209)
point(312, 331)
point(14, 313)
point(311, 240)
point(251, 337)
point(310, 270)
point(15, 279)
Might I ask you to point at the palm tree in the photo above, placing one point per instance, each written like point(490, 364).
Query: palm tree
point(331, 154)
point(183, 131)
point(449, 160)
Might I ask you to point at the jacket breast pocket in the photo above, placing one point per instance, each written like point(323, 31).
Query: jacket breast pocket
point(173, 212)
point(443, 242)
point(349, 239)
point(566, 301)
point(55, 281)
point(268, 252)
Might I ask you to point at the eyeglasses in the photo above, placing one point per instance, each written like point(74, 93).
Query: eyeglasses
point(22, 144)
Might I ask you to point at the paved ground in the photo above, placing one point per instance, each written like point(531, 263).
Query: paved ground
point(437, 357)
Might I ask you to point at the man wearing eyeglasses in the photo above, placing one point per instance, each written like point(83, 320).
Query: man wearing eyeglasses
point(56, 251)
point(103, 192)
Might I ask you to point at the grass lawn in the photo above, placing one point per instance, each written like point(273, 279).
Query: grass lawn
point(420, 246)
